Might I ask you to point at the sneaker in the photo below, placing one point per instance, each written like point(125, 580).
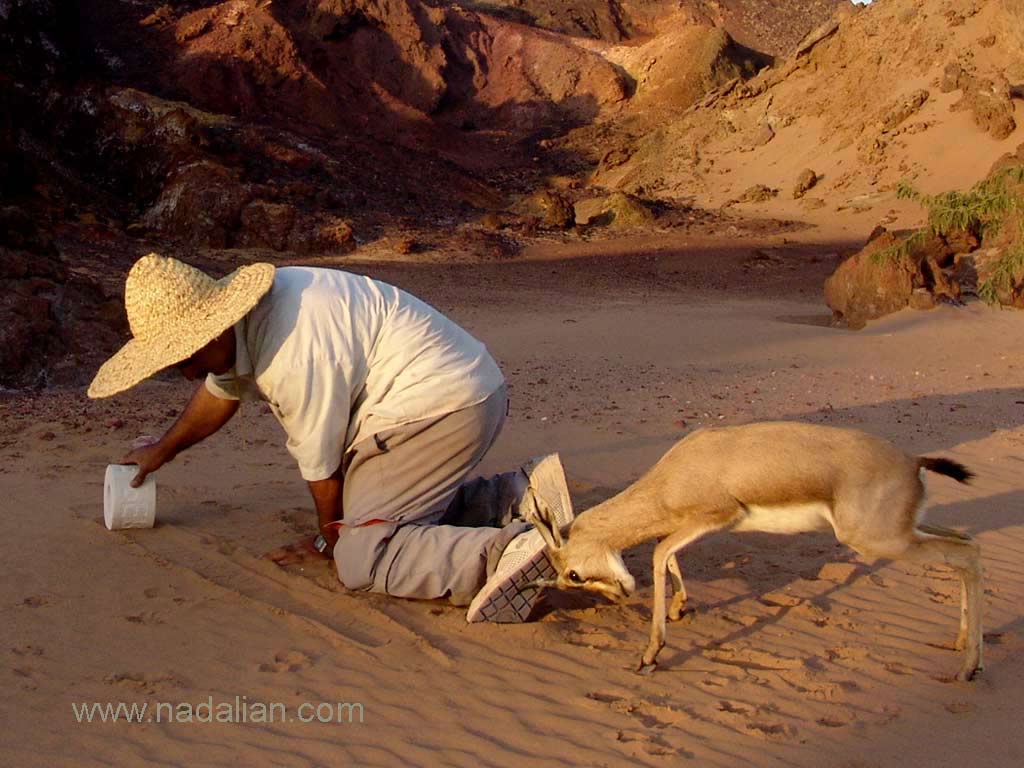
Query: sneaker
point(506, 598)
point(546, 477)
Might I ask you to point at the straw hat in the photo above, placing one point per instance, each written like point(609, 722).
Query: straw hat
point(175, 310)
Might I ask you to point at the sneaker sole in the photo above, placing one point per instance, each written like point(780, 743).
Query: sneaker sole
point(509, 601)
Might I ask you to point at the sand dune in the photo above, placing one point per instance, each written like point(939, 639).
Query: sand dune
point(794, 652)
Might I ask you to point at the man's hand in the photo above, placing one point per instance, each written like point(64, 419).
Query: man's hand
point(302, 551)
point(149, 459)
point(327, 500)
point(204, 415)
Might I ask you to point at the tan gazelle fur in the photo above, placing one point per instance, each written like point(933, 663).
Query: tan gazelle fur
point(774, 477)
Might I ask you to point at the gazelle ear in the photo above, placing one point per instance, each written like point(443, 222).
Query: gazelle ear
point(538, 513)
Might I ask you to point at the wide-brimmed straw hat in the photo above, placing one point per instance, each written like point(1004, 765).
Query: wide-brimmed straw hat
point(174, 310)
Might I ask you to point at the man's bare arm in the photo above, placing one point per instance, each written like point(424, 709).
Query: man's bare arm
point(205, 414)
point(327, 498)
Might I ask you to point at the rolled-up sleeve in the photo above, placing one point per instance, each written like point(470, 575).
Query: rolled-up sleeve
point(313, 405)
point(225, 386)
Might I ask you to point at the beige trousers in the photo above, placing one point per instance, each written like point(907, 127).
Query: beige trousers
point(412, 526)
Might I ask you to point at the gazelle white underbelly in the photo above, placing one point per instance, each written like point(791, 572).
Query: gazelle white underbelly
point(785, 518)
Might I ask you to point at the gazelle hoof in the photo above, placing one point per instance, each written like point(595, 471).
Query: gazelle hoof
point(646, 669)
point(682, 613)
point(967, 674)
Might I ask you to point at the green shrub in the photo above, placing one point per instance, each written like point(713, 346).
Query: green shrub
point(981, 210)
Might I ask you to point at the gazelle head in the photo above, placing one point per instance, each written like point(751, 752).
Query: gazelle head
point(580, 562)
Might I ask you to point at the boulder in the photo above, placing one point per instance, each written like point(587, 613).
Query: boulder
point(866, 286)
point(678, 67)
point(266, 225)
point(759, 193)
point(1014, 28)
point(57, 325)
point(324, 234)
point(901, 110)
point(804, 182)
point(990, 104)
point(201, 203)
point(550, 208)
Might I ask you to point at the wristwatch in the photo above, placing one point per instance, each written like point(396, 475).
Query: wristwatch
point(320, 543)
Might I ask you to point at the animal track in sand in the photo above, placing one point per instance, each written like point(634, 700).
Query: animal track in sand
point(27, 650)
point(648, 714)
point(287, 661)
point(773, 730)
point(938, 597)
point(750, 659)
point(149, 618)
point(25, 673)
point(652, 744)
point(143, 684)
point(594, 639)
point(897, 668)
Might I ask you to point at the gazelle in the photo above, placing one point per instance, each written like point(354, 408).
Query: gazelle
point(776, 477)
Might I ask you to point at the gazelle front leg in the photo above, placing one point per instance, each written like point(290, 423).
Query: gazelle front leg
point(664, 552)
point(675, 611)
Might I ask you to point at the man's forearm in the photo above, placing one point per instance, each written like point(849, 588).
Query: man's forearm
point(205, 414)
point(327, 498)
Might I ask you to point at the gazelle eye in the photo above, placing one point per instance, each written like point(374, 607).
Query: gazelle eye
point(575, 577)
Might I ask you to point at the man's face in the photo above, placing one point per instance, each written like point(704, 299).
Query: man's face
point(217, 357)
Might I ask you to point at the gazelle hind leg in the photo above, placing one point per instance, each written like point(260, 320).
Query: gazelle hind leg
point(932, 544)
point(675, 611)
point(935, 530)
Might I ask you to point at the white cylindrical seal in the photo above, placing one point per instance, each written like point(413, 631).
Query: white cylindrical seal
point(124, 506)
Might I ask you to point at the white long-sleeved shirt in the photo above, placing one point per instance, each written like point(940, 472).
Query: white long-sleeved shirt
point(326, 349)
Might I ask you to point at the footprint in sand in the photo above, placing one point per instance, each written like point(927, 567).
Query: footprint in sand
point(287, 661)
point(640, 710)
point(149, 618)
point(749, 658)
point(27, 650)
point(888, 714)
point(897, 668)
point(604, 698)
point(773, 730)
point(732, 707)
point(812, 613)
point(780, 600)
point(141, 683)
point(938, 597)
point(651, 744)
point(846, 653)
point(831, 722)
point(25, 675)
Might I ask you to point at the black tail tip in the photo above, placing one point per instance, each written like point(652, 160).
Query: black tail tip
point(949, 468)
